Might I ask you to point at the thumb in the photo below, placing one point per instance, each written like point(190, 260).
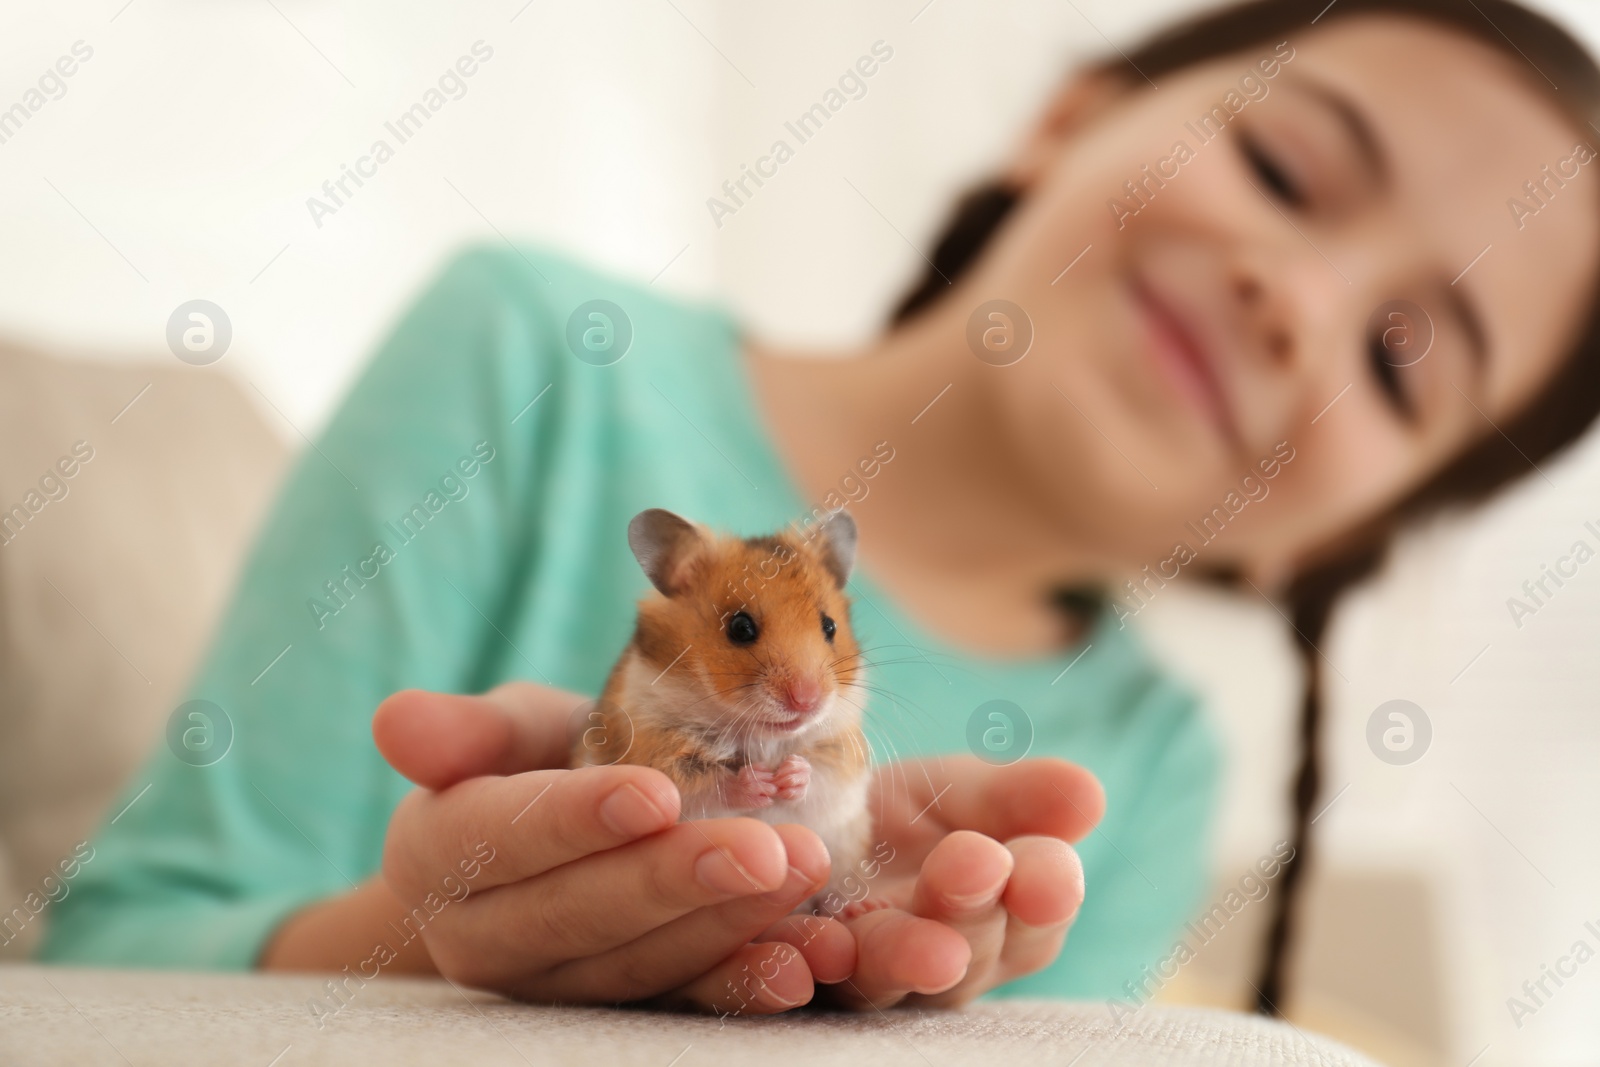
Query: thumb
point(439, 739)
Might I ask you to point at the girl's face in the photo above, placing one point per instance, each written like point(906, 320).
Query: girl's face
point(1225, 347)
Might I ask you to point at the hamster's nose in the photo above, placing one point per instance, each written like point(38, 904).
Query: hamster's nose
point(804, 694)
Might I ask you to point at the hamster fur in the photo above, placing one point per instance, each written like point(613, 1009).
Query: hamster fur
point(743, 683)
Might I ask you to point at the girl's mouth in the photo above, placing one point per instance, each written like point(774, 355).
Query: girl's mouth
point(1177, 348)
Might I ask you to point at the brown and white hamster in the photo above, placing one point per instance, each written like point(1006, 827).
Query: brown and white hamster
point(743, 682)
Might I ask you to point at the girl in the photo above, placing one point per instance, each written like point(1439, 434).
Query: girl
point(1250, 253)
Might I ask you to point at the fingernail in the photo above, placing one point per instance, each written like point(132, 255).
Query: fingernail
point(945, 988)
point(771, 995)
point(793, 886)
point(719, 872)
point(629, 813)
point(973, 901)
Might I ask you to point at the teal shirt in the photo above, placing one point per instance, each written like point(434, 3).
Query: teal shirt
point(461, 522)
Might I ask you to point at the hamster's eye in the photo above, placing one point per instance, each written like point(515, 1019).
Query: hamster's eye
point(828, 627)
point(742, 628)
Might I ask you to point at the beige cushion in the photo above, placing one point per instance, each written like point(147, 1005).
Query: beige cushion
point(179, 1019)
point(107, 593)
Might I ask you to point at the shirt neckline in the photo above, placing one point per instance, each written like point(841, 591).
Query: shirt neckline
point(1105, 640)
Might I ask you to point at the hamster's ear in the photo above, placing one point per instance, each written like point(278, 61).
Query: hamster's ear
point(662, 543)
point(836, 545)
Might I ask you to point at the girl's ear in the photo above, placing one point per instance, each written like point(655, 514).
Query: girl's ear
point(1084, 95)
point(663, 543)
point(836, 545)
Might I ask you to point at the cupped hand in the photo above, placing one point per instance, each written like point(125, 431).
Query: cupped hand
point(980, 885)
point(593, 892)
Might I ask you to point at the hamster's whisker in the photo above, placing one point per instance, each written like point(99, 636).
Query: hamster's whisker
point(892, 750)
point(736, 709)
point(741, 710)
point(891, 732)
point(904, 644)
point(858, 706)
point(921, 655)
point(915, 661)
point(896, 699)
point(905, 732)
point(925, 661)
point(897, 780)
point(874, 648)
point(743, 715)
point(712, 695)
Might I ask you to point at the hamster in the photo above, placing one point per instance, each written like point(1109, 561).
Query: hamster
point(743, 683)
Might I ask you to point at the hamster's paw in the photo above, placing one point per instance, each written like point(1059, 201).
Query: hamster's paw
point(792, 777)
point(858, 908)
point(753, 787)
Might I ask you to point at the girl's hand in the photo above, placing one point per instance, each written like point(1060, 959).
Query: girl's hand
point(982, 886)
point(594, 892)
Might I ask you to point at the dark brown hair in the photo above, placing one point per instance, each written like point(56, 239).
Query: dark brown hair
point(1550, 421)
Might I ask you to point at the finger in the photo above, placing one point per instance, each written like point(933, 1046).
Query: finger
point(1014, 933)
point(962, 878)
point(1044, 795)
point(896, 954)
point(1041, 899)
point(610, 898)
point(679, 951)
point(526, 824)
point(1046, 886)
point(960, 885)
point(828, 946)
point(439, 739)
point(757, 979)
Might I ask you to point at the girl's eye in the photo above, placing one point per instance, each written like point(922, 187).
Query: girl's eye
point(828, 627)
point(1276, 177)
point(742, 629)
point(1385, 370)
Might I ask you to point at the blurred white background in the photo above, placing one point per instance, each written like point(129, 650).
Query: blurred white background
point(178, 163)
